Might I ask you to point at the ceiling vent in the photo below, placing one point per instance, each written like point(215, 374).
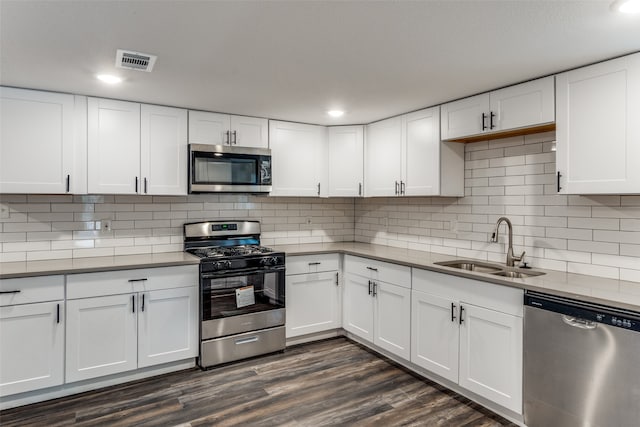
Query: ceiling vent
point(135, 60)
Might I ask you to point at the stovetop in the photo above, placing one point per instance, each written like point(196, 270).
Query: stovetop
point(230, 251)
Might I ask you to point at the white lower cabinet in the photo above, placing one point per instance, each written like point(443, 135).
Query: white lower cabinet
point(124, 320)
point(32, 337)
point(469, 332)
point(376, 310)
point(313, 294)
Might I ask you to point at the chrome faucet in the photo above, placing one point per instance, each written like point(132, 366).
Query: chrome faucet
point(494, 238)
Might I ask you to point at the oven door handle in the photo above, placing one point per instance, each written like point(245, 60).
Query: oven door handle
point(243, 272)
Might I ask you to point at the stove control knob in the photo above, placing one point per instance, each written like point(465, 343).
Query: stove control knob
point(219, 265)
point(264, 261)
point(274, 260)
point(227, 264)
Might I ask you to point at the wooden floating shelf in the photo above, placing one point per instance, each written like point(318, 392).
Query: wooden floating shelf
point(506, 134)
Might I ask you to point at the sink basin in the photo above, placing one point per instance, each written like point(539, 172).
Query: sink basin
point(517, 274)
point(478, 267)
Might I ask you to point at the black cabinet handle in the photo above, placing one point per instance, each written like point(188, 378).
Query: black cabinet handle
point(17, 291)
point(133, 303)
point(461, 312)
point(396, 188)
point(228, 141)
point(453, 316)
point(145, 185)
point(137, 280)
point(315, 263)
point(136, 184)
point(57, 313)
point(318, 189)
point(369, 287)
point(360, 189)
point(558, 182)
point(68, 183)
point(142, 302)
point(491, 116)
point(484, 118)
point(337, 279)
point(234, 141)
point(371, 268)
point(375, 289)
point(402, 188)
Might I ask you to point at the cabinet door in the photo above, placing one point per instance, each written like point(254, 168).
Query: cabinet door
point(32, 337)
point(167, 325)
point(313, 303)
point(491, 355)
point(465, 117)
point(113, 146)
point(36, 141)
point(392, 318)
point(383, 158)
point(249, 132)
point(527, 104)
point(299, 159)
point(209, 128)
point(357, 313)
point(435, 334)
point(346, 151)
point(597, 128)
point(163, 148)
point(422, 153)
point(101, 336)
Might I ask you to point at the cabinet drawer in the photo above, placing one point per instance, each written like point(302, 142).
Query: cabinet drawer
point(483, 294)
point(378, 270)
point(31, 289)
point(312, 263)
point(126, 281)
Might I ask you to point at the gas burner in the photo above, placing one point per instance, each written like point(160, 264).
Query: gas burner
point(231, 251)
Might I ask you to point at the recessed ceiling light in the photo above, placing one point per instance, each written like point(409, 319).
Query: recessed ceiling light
point(626, 6)
point(108, 78)
point(335, 113)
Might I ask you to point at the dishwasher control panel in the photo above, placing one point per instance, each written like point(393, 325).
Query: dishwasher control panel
point(585, 313)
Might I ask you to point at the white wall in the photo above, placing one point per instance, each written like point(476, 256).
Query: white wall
point(513, 177)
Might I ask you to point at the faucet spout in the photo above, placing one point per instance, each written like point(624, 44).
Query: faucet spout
point(511, 258)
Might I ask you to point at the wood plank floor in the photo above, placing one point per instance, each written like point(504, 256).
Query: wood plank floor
point(326, 383)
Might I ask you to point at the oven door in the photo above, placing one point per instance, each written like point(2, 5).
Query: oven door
point(235, 302)
point(217, 168)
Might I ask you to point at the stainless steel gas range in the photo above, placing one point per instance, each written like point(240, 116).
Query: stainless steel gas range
point(242, 301)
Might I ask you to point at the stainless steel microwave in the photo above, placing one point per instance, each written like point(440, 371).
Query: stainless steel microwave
point(223, 169)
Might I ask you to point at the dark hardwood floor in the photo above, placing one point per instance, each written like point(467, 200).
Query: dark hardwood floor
point(332, 382)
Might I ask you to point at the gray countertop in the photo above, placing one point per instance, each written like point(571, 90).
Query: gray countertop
point(599, 290)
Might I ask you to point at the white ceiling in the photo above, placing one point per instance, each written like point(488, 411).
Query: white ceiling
point(294, 60)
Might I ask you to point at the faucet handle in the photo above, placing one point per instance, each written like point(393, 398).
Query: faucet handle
point(519, 258)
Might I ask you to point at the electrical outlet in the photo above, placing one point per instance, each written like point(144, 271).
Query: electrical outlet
point(308, 220)
point(4, 212)
point(105, 225)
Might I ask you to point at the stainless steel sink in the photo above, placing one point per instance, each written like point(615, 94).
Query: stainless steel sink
point(478, 267)
point(494, 269)
point(518, 274)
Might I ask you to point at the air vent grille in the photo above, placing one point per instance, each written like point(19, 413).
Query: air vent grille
point(135, 60)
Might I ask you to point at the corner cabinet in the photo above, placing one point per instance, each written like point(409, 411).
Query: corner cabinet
point(377, 303)
point(346, 151)
point(522, 106)
point(597, 129)
point(314, 294)
point(122, 320)
point(136, 149)
point(32, 320)
point(38, 142)
point(299, 159)
point(405, 157)
point(470, 333)
point(223, 129)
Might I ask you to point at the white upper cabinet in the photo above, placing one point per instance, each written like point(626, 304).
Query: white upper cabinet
point(383, 158)
point(346, 151)
point(37, 142)
point(136, 149)
point(405, 157)
point(223, 129)
point(163, 144)
point(598, 128)
point(522, 106)
point(299, 159)
point(113, 146)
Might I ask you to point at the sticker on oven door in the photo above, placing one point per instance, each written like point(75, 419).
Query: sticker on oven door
point(245, 296)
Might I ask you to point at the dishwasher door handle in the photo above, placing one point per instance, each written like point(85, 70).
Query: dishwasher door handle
point(579, 323)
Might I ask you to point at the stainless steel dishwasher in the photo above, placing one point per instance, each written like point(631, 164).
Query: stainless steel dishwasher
point(581, 364)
